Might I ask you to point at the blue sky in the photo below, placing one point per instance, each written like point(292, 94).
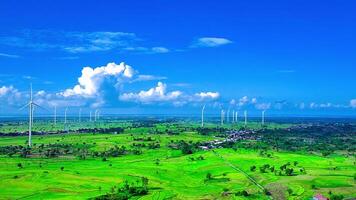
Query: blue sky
point(288, 57)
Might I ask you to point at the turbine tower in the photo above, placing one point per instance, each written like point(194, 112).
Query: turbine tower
point(90, 116)
point(222, 117)
point(80, 115)
point(55, 115)
point(31, 105)
point(228, 116)
point(245, 113)
point(96, 115)
point(65, 115)
point(202, 116)
point(236, 115)
point(263, 117)
point(233, 116)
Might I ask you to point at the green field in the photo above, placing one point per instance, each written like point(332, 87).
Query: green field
point(171, 174)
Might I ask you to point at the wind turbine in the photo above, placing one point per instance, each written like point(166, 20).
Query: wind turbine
point(31, 105)
point(233, 116)
point(263, 117)
point(96, 114)
point(55, 115)
point(80, 115)
point(245, 113)
point(202, 116)
point(236, 116)
point(90, 116)
point(65, 115)
point(228, 116)
point(222, 117)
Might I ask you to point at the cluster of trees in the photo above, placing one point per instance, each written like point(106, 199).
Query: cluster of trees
point(197, 158)
point(186, 147)
point(286, 169)
point(152, 145)
point(82, 151)
point(322, 138)
point(112, 130)
point(127, 191)
point(211, 131)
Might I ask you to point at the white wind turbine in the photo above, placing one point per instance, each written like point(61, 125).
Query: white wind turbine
point(263, 117)
point(55, 115)
point(90, 116)
point(222, 117)
point(96, 115)
point(245, 114)
point(236, 116)
point(80, 115)
point(65, 115)
point(202, 116)
point(31, 105)
point(233, 116)
point(228, 116)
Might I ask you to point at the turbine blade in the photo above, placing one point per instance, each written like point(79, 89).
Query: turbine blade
point(35, 104)
point(23, 107)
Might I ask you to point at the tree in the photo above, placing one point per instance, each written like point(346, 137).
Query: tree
point(157, 162)
point(336, 197)
point(289, 171)
point(253, 168)
point(209, 176)
point(19, 165)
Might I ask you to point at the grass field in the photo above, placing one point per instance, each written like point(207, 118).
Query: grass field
point(176, 176)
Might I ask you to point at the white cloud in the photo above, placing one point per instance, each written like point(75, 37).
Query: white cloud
point(207, 95)
point(5, 90)
point(314, 105)
point(353, 103)
point(254, 100)
point(147, 50)
point(78, 42)
point(263, 106)
point(148, 78)
point(243, 101)
point(233, 102)
point(9, 55)
point(91, 80)
point(160, 94)
point(157, 94)
point(10, 94)
point(211, 42)
point(159, 50)
point(41, 93)
point(325, 105)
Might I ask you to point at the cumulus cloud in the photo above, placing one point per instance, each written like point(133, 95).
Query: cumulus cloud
point(353, 103)
point(211, 42)
point(4, 90)
point(156, 94)
point(160, 94)
point(207, 95)
point(92, 79)
point(243, 101)
point(10, 94)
